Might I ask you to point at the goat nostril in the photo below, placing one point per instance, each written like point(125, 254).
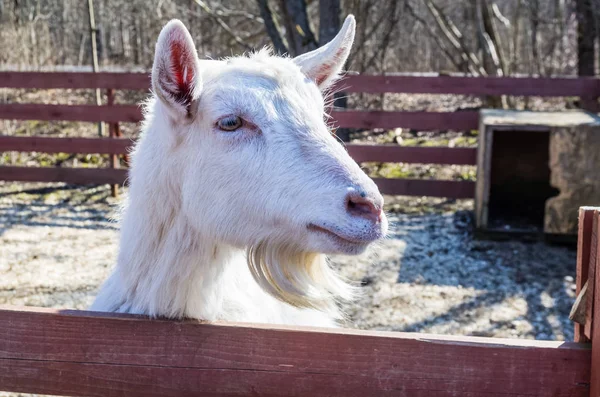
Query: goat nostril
point(357, 205)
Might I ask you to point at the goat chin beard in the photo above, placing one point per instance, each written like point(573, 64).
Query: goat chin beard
point(302, 279)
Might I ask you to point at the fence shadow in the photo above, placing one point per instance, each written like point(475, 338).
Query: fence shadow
point(78, 207)
point(441, 250)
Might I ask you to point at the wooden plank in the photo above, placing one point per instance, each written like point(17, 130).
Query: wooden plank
point(412, 154)
point(359, 152)
point(82, 176)
point(584, 241)
point(546, 86)
point(595, 337)
point(466, 120)
point(462, 85)
point(64, 145)
point(483, 181)
point(459, 121)
point(87, 354)
point(112, 133)
point(592, 266)
point(75, 80)
point(426, 187)
point(92, 113)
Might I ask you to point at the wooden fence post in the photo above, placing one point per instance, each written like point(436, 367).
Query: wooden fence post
point(113, 132)
point(584, 242)
point(586, 310)
point(590, 104)
point(594, 301)
point(119, 134)
point(94, 50)
point(589, 101)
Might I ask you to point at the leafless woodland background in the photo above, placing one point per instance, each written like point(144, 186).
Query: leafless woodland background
point(479, 37)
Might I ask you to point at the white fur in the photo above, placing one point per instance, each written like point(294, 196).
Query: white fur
point(216, 225)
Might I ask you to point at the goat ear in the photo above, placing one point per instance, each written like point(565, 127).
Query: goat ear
point(324, 64)
point(175, 73)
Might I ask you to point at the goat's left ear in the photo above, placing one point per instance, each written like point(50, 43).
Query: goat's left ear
point(175, 74)
point(324, 64)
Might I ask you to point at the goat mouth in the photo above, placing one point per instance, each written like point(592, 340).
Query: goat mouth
point(336, 236)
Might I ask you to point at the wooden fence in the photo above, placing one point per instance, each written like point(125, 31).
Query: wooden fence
point(75, 353)
point(588, 89)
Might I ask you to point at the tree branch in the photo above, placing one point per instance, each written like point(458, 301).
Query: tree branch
point(499, 15)
point(490, 36)
point(223, 25)
point(454, 36)
point(392, 22)
point(459, 66)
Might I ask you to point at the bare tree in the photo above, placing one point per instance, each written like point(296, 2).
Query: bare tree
point(455, 38)
point(478, 37)
point(329, 20)
point(295, 26)
point(272, 27)
point(586, 38)
point(494, 58)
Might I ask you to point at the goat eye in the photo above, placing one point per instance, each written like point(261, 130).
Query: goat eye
point(229, 123)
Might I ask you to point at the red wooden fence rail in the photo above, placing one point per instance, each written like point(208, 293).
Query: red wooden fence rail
point(360, 152)
point(64, 145)
point(465, 120)
point(393, 83)
point(77, 176)
point(94, 354)
point(586, 88)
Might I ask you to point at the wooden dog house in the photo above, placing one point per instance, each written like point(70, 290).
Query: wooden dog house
point(535, 169)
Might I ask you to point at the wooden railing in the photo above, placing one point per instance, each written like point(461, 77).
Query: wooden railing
point(76, 353)
point(588, 89)
point(95, 354)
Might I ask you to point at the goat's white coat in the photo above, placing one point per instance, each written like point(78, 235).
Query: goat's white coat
point(207, 208)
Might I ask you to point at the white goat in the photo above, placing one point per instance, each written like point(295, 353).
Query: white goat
point(238, 189)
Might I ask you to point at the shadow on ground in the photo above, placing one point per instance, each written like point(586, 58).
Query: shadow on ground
point(63, 206)
point(441, 251)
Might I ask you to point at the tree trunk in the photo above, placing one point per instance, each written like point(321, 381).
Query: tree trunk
point(329, 26)
point(300, 37)
point(271, 27)
point(329, 20)
point(586, 37)
point(586, 34)
point(534, 17)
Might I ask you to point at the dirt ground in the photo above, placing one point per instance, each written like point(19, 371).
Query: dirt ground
point(57, 244)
